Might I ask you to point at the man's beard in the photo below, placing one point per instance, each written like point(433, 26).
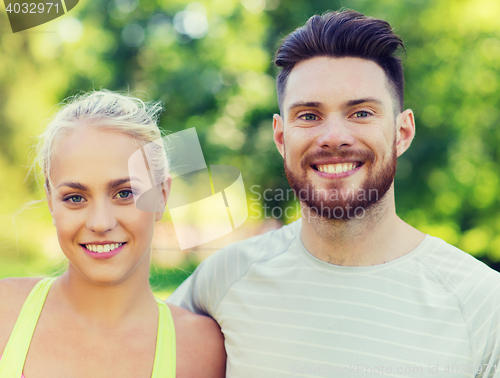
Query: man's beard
point(336, 202)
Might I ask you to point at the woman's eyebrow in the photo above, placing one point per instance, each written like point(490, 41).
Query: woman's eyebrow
point(117, 182)
point(111, 184)
point(74, 185)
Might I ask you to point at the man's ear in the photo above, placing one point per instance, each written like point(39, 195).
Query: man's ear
point(405, 131)
point(278, 133)
point(165, 191)
point(49, 203)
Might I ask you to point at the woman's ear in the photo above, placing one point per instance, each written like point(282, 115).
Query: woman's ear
point(165, 191)
point(49, 203)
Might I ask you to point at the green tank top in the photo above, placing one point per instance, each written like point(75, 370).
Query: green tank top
point(14, 355)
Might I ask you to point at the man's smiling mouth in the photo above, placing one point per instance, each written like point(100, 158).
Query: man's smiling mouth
point(337, 168)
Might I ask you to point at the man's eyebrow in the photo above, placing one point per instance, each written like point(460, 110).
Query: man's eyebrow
point(317, 104)
point(305, 104)
point(111, 184)
point(363, 100)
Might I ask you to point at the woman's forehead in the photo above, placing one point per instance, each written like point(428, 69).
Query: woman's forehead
point(91, 153)
point(88, 133)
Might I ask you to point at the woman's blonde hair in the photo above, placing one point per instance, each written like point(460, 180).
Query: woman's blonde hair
point(109, 111)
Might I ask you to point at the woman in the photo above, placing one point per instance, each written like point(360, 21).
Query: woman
point(100, 318)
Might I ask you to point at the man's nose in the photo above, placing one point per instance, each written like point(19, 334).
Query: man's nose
point(101, 217)
point(335, 134)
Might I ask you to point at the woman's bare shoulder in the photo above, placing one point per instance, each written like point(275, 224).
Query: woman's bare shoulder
point(200, 345)
point(13, 293)
point(16, 290)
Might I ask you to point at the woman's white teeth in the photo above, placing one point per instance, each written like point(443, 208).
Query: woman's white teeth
point(100, 248)
point(337, 168)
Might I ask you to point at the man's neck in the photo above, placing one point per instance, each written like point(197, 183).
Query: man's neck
point(378, 237)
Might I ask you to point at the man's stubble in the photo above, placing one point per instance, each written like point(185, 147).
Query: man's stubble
point(334, 201)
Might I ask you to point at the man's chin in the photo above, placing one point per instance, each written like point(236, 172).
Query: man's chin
point(344, 199)
point(338, 202)
point(336, 210)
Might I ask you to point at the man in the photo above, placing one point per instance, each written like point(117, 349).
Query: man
point(350, 288)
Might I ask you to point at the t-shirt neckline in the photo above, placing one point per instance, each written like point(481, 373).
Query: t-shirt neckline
point(361, 269)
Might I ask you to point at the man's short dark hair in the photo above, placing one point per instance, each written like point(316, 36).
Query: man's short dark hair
point(343, 34)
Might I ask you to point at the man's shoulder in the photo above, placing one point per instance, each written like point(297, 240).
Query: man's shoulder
point(211, 280)
point(476, 288)
point(261, 247)
point(461, 272)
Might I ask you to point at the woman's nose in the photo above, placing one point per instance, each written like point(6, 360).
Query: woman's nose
point(101, 217)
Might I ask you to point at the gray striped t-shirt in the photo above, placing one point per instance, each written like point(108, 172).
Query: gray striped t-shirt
point(434, 312)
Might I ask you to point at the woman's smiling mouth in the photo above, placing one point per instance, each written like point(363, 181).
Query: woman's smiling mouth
point(102, 251)
point(101, 248)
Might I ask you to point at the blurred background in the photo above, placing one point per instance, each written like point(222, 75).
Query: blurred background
point(210, 63)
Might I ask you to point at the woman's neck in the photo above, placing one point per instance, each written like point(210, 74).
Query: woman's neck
point(106, 305)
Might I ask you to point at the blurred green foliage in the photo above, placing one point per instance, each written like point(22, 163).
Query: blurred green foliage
point(210, 62)
point(167, 279)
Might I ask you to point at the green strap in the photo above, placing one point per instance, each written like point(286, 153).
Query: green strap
point(14, 355)
point(165, 355)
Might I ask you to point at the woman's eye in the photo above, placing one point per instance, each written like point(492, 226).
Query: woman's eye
point(309, 117)
point(361, 114)
point(73, 199)
point(124, 194)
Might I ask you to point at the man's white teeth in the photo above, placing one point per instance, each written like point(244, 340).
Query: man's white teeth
point(100, 248)
point(337, 168)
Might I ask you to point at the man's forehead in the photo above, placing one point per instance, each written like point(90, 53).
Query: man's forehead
point(335, 80)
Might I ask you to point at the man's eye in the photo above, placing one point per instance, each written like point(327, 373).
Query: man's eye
point(124, 194)
point(74, 199)
point(309, 117)
point(361, 114)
